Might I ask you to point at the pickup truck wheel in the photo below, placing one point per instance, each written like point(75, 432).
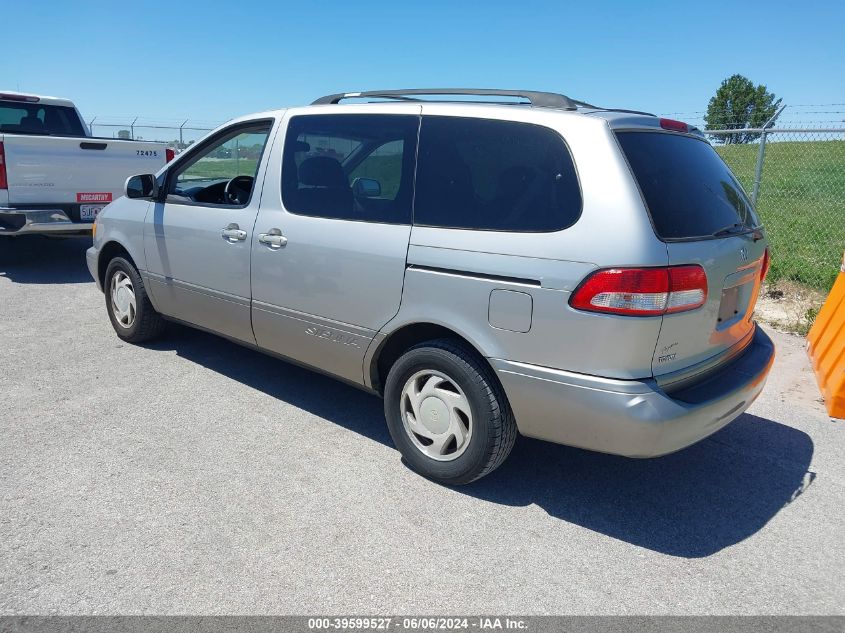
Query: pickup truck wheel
point(447, 414)
point(132, 315)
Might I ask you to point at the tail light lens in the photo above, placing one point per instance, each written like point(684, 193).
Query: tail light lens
point(687, 288)
point(764, 269)
point(4, 182)
point(169, 154)
point(642, 291)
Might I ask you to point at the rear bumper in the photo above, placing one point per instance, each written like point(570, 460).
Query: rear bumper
point(39, 221)
point(632, 418)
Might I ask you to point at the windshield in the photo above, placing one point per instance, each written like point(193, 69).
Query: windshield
point(688, 189)
point(37, 118)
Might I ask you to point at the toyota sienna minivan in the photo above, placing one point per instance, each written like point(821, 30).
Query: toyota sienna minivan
point(490, 262)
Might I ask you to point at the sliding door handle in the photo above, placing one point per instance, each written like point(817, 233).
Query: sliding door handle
point(273, 238)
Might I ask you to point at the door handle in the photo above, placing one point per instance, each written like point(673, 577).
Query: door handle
point(233, 233)
point(273, 238)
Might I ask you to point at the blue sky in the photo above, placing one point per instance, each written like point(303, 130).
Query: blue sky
point(214, 60)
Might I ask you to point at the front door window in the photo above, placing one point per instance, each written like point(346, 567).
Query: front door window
point(222, 173)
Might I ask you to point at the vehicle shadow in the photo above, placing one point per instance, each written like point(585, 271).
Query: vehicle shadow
point(691, 504)
point(36, 259)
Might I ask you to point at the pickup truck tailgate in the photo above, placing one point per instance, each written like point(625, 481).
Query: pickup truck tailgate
point(43, 170)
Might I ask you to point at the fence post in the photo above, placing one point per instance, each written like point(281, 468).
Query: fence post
point(761, 155)
point(758, 171)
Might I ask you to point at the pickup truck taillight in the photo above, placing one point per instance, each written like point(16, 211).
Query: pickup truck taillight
point(4, 182)
point(169, 154)
point(642, 291)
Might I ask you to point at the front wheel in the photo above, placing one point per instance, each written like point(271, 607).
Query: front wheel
point(131, 314)
point(447, 414)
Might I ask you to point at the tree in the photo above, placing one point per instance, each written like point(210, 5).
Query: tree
point(738, 104)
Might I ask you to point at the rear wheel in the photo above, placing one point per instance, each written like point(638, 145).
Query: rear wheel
point(132, 315)
point(447, 414)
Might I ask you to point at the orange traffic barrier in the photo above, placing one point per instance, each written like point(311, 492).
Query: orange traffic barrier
point(827, 347)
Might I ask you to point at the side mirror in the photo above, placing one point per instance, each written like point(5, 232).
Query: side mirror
point(366, 188)
point(142, 186)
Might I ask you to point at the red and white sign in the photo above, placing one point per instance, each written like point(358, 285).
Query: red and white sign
point(93, 197)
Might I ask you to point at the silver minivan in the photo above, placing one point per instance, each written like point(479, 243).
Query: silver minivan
point(526, 264)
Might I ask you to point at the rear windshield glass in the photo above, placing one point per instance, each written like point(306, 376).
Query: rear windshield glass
point(688, 189)
point(36, 118)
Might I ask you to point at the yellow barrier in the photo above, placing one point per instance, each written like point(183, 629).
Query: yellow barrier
point(827, 347)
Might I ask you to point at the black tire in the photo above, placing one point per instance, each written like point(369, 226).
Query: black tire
point(494, 429)
point(147, 324)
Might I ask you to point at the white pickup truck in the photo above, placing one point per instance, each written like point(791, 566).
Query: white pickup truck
point(54, 176)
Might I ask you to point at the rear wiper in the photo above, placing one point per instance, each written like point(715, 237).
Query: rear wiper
point(732, 229)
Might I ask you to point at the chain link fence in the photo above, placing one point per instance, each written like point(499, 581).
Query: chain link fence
point(176, 134)
point(797, 180)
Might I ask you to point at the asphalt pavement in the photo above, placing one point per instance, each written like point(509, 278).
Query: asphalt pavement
point(193, 476)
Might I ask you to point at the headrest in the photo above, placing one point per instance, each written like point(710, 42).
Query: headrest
point(32, 123)
point(322, 171)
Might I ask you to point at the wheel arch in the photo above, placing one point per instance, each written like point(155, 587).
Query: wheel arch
point(397, 342)
point(108, 252)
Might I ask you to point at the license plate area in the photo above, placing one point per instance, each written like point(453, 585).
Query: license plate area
point(734, 305)
point(89, 211)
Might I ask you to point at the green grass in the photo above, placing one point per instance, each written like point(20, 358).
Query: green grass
point(382, 168)
point(801, 204)
point(386, 169)
point(222, 168)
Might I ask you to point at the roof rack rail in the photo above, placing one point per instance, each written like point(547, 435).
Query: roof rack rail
point(538, 99)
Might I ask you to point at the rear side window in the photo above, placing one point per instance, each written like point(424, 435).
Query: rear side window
point(688, 189)
point(495, 176)
point(350, 166)
point(36, 118)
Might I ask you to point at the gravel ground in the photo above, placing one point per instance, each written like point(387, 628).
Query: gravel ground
point(195, 476)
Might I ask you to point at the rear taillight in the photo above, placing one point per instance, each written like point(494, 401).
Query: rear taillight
point(4, 182)
point(624, 291)
point(642, 291)
point(675, 126)
point(687, 288)
point(169, 154)
point(764, 268)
